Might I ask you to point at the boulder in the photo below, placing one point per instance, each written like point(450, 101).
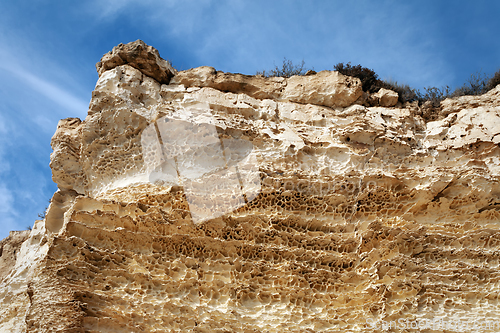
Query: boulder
point(386, 97)
point(141, 56)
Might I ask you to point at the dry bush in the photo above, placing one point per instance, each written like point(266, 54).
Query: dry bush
point(494, 81)
point(475, 85)
point(368, 77)
point(287, 69)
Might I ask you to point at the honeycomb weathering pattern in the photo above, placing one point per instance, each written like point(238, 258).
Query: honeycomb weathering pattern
point(217, 175)
point(361, 216)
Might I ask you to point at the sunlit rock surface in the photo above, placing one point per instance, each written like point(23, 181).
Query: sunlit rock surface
point(230, 203)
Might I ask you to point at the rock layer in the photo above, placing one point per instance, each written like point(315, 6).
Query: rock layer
point(325, 88)
point(361, 216)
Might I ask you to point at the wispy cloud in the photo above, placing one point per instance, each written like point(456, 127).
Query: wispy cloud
point(6, 200)
point(7, 211)
point(390, 37)
point(48, 89)
point(36, 91)
point(4, 132)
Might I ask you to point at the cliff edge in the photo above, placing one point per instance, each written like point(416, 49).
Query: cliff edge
point(205, 201)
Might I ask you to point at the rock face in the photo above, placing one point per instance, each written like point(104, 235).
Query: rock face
point(138, 55)
point(212, 201)
point(9, 249)
point(325, 88)
point(386, 97)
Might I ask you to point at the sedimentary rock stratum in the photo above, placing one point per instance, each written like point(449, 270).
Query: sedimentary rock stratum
point(203, 201)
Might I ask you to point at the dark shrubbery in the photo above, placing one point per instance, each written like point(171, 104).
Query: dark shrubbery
point(287, 69)
point(369, 79)
point(408, 94)
point(371, 83)
point(44, 214)
point(405, 92)
point(435, 95)
point(494, 81)
point(476, 85)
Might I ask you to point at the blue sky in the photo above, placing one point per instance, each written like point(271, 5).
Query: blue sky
point(49, 49)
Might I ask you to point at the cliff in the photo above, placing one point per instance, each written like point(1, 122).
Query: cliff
point(202, 201)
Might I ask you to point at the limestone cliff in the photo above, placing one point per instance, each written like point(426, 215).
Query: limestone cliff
point(202, 201)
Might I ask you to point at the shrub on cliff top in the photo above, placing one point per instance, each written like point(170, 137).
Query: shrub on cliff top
point(494, 81)
point(368, 77)
point(371, 83)
point(405, 92)
point(477, 84)
point(287, 69)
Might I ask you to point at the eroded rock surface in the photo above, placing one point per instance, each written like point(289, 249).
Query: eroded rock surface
point(360, 215)
point(138, 55)
point(386, 97)
point(9, 249)
point(325, 88)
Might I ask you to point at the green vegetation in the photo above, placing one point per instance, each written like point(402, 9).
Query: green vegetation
point(477, 84)
point(369, 79)
point(494, 81)
point(287, 69)
point(42, 215)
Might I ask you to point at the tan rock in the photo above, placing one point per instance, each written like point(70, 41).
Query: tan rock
point(9, 249)
point(325, 88)
point(451, 105)
point(65, 161)
point(230, 202)
point(386, 97)
point(141, 56)
point(253, 86)
point(469, 126)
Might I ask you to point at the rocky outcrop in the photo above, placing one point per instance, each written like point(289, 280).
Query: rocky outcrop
point(138, 55)
point(9, 249)
point(488, 100)
point(325, 88)
point(386, 97)
point(226, 202)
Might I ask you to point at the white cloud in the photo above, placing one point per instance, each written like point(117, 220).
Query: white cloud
point(48, 89)
point(110, 9)
point(240, 36)
point(7, 212)
point(4, 134)
point(3, 125)
point(6, 200)
point(4, 164)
